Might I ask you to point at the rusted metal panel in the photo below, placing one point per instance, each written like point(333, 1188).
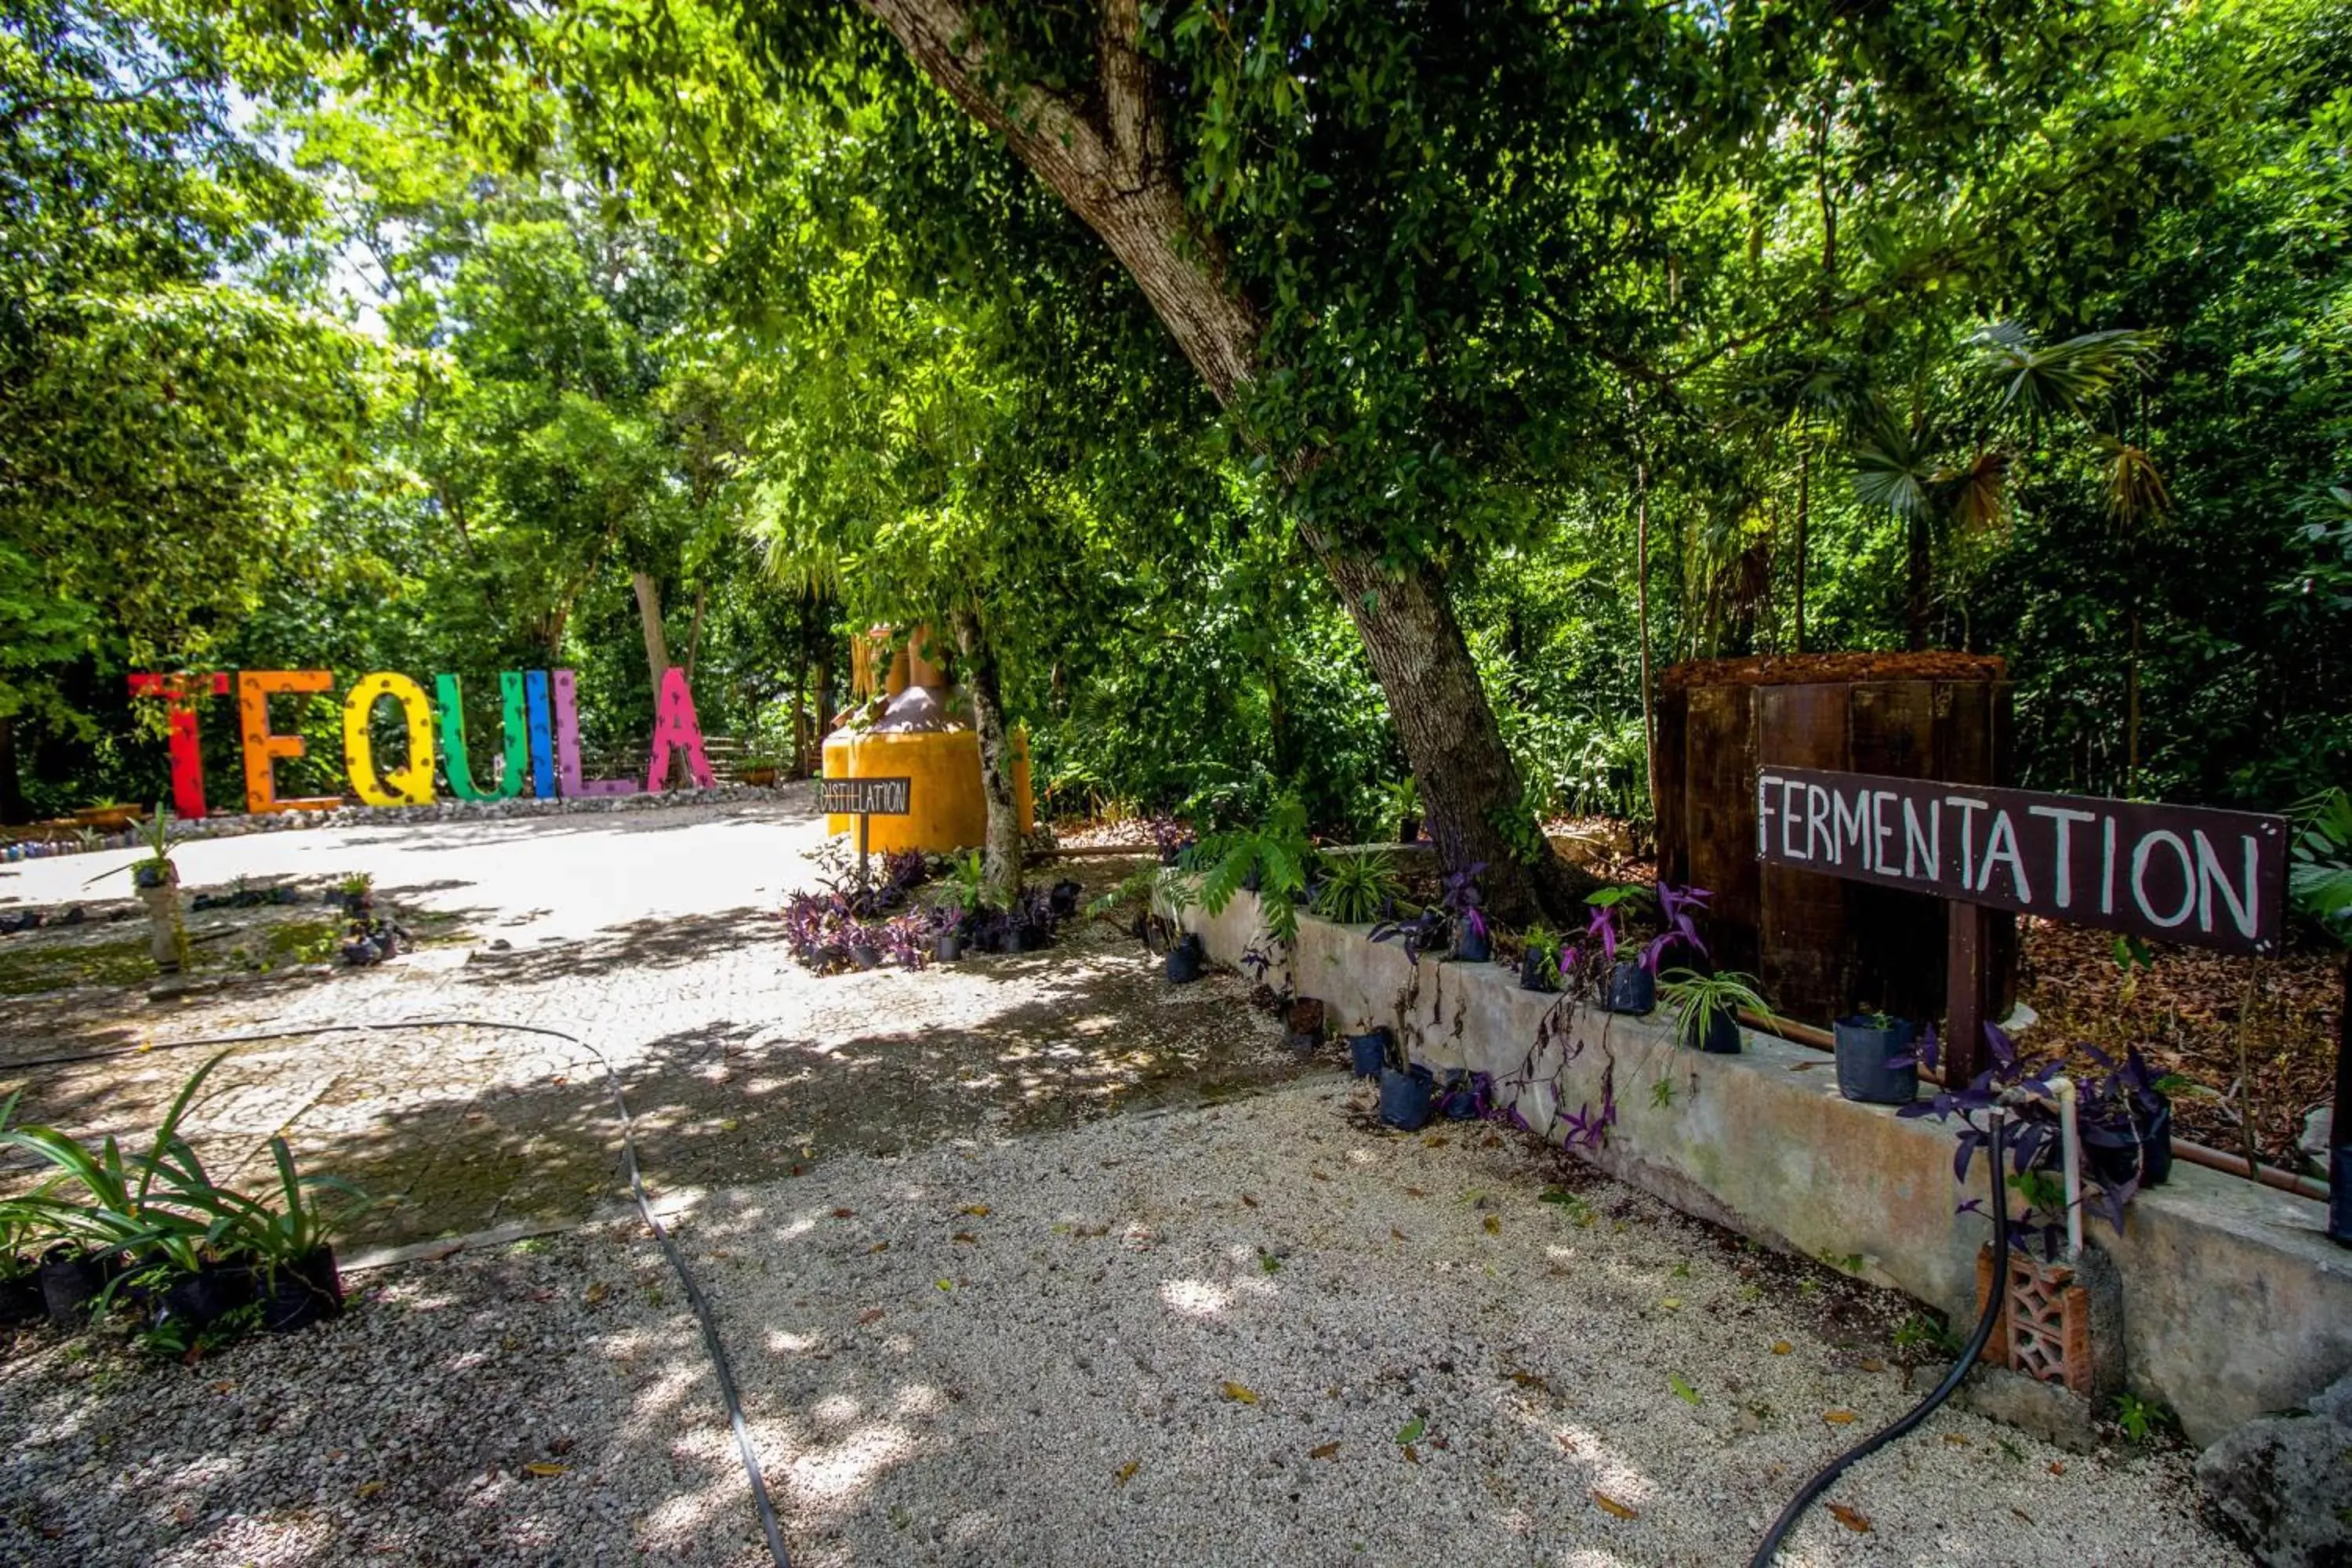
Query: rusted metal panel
point(1891, 729)
point(1720, 752)
point(1804, 962)
point(1673, 839)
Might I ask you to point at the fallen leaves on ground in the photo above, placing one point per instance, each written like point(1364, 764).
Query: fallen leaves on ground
point(1240, 1394)
point(1839, 1417)
point(978, 1210)
point(367, 1489)
point(1126, 1472)
point(1781, 1347)
point(871, 1315)
point(1853, 1519)
point(1683, 1389)
point(966, 1236)
point(597, 1292)
point(1323, 1451)
point(1494, 1225)
point(1612, 1506)
point(844, 1214)
point(1411, 1430)
point(542, 1468)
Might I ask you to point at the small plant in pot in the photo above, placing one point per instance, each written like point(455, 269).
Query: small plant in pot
point(1459, 897)
point(1540, 959)
point(1403, 797)
point(1368, 1052)
point(1705, 1008)
point(25, 1229)
point(2024, 1089)
point(291, 1242)
point(156, 883)
point(1465, 1096)
point(356, 894)
point(1357, 887)
point(1876, 1059)
point(865, 947)
point(2124, 1118)
point(1406, 1091)
point(1303, 1024)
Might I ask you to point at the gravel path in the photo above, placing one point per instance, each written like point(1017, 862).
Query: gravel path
point(1189, 1338)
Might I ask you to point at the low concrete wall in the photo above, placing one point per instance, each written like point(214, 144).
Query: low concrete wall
point(2234, 1300)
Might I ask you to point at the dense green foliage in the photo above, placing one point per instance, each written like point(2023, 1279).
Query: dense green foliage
point(2021, 328)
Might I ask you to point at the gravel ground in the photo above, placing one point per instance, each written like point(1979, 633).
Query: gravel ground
point(1189, 1338)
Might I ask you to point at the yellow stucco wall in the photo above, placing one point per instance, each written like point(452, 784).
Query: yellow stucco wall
point(950, 811)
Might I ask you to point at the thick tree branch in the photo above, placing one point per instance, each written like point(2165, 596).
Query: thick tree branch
point(1112, 171)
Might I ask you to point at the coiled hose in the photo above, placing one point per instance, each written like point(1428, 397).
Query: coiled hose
point(695, 1297)
point(1926, 1407)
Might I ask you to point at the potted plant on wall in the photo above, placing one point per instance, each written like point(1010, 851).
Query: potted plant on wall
point(1403, 797)
point(1876, 1064)
point(1705, 1008)
point(1540, 959)
point(2124, 1118)
point(1357, 887)
point(1459, 897)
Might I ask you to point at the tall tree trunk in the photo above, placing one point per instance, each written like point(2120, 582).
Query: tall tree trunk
point(13, 804)
point(1804, 513)
point(1104, 149)
point(1641, 609)
point(650, 615)
point(1001, 858)
point(1466, 776)
point(694, 630)
point(1918, 554)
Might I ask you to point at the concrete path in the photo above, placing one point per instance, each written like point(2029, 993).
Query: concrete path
point(650, 935)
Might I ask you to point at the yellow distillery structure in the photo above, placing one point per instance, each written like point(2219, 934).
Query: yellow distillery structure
point(922, 733)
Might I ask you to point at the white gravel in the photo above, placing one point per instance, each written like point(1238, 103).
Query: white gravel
point(1132, 1343)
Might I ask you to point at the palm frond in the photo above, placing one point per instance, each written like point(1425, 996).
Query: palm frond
point(2069, 377)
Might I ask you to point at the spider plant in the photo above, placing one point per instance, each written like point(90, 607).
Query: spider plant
point(295, 1223)
point(1357, 887)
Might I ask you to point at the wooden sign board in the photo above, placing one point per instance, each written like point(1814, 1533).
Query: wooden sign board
point(868, 797)
point(2168, 873)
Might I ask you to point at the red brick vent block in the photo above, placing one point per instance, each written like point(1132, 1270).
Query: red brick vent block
point(2044, 1327)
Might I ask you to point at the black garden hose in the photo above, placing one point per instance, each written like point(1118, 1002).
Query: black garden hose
point(1926, 1407)
point(703, 1312)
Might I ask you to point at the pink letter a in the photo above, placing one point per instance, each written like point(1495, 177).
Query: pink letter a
point(675, 726)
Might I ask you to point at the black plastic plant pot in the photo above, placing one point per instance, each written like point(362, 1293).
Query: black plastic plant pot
point(1369, 1053)
point(1026, 938)
point(1717, 1034)
point(1404, 1097)
point(2118, 1153)
point(1864, 1049)
point(1409, 830)
point(1459, 1101)
point(69, 1283)
point(1065, 896)
point(1474, 947)
point(1632, 989)
point(1184, 960)
point(299, 1293)
point(204, 1298)
point(20, 1300)
point(1535, 971)
point(947, 947)
point(865, 955)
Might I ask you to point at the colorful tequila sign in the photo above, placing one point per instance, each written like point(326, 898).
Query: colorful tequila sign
point(540, 737)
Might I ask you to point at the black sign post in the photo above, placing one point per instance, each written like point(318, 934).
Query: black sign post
point(863, 798)
point(2172, 873)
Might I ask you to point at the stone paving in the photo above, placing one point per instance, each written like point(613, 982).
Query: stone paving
point(650, 936)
